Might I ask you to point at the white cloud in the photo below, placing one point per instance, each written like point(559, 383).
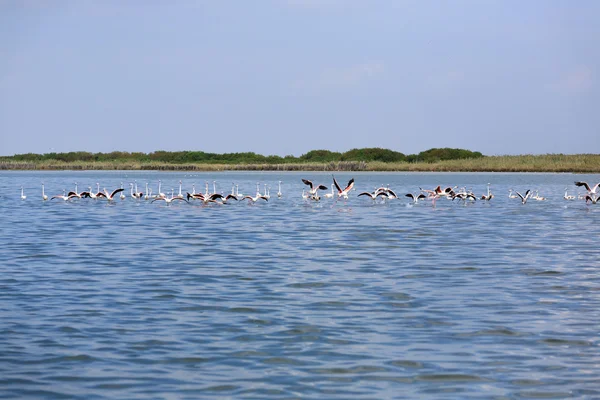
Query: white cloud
point(445, 80)
point(342, 77)
point(314, 4)
point(577, 80)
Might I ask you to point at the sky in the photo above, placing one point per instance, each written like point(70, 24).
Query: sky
point(283, 77)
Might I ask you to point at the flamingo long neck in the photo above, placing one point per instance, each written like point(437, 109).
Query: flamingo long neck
point(193, 188)
point(206, 191)
point(180, 188)
point(214, 186)
point(43, 194)
point(97, 188)
point(237, 190)
point(76, 191)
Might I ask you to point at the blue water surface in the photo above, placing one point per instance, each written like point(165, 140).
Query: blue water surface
point(295, 299)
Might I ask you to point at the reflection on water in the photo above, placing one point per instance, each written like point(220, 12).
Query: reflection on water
point(293, 299)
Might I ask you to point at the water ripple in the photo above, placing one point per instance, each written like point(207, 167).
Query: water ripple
point(289, 299)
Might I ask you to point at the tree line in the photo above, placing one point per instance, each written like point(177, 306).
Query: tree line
point(313, 156)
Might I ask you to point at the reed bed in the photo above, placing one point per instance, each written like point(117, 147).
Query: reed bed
point(577, 163)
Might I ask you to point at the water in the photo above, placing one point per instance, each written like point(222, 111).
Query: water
point(289, 299)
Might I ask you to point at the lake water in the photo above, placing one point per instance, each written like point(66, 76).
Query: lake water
point(289, 299)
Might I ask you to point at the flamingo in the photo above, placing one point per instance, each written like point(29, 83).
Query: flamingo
point(237, 192)
point(122, 195)
point(110, 196)
point(44, 197)
point(138, 194)
point(64, 196)
point(132, 194)
point(255, 198)
point(511, 195)
point(91, 194)
point(373, 196)
point(489, 194)
point(76, 193)
point(568, 197)
point(538, 197)
point(524, 198)
point(414, 198)
point(591, 198)
point(279, 191)
point(160, 193)
point(329, 195)
point(267, 195)
point(169, 200)
point(347, 189)
point(591, 191)
point(179, 194)
point(23, 197)
point(313, 189)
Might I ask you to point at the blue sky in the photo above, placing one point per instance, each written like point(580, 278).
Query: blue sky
point(288, 76)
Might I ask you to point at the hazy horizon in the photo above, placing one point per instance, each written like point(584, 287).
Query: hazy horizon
point(283, 77)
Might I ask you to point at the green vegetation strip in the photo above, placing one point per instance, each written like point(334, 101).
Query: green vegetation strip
point(579, 163)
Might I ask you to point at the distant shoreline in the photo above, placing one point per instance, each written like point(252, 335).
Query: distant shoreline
point(577, 163)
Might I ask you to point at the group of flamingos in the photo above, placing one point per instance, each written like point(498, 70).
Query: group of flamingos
point(310, 194)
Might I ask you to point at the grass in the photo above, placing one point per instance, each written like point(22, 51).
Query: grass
point(578, 163)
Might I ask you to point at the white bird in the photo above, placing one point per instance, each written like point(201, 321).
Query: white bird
point(511, 195)
point(122, 195)
point(538, 197)
point(414, 198)
point(567, 196)
point(591, 198)
point(304, 194)
point(279, 192)
point(374, 195)
point(137, 193)
point(110, 196)
point(255, 198)
point(133, 195)
point(44, 197)
point(76, 193)
point(329, 195)
point(169, 200)
point(489, 194)
point(593, 190)
point(160, 193)
point(147, 195)
point(23, 197)
point(64, 196)
point(180, 195)
point(313, 189)
point(267, 195)
point(91, 194)
point(343, 193)
point(524, 198)
point(237, 192)
point(257, 189)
